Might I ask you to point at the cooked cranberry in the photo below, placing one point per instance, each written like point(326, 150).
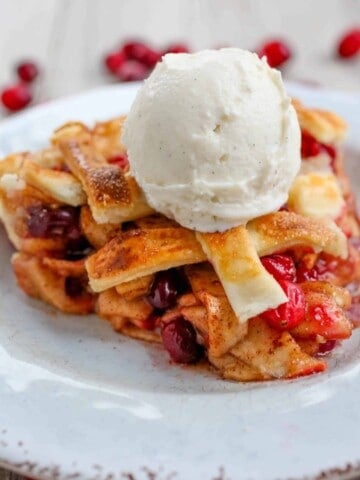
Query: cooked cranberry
point(310, 147)
point(44, 222)
point(121, 161)
point(132, 71)
point(289, 314)
point(305, 274)
point(74, 286)
point(276, 52)
point(179, 338)
point(349, 44)
point(16, 97)
point(326, 347)
point(282, 267)
point(165, 289)
point(77, 247)
point(284, 208)
point(330, 150)
point(27, 71)
point(113, 61)
point(177, 48)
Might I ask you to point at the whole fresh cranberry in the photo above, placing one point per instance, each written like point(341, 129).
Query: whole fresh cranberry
point(142, 53)
point(289, 314)
point(165, 289)
point(349, 44)
point(281, 267)
point(132, 70)
point(179, 338)
point(176, 48)
point(276, 52)
point(113, 61)
point(27, 71)
point(16, 97)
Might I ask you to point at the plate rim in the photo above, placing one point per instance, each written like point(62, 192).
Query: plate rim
point(351, 470)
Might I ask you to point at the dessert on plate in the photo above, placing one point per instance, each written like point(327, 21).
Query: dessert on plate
point(215, 219)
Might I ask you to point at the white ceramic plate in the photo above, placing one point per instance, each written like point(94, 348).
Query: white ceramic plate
point(78, 401)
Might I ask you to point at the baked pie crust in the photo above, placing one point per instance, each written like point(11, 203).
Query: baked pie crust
point(87, 241)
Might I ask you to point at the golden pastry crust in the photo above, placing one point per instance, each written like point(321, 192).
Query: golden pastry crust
point(325, 126)
point(132, 243)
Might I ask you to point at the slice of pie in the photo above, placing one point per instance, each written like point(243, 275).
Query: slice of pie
point(87, 241)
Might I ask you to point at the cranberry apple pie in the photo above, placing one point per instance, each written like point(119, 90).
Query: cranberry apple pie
point(265, 299)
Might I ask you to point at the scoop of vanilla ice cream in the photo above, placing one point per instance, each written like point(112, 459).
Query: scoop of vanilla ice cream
point(213, 139)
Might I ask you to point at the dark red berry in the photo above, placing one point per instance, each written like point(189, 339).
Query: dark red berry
point(177, 48)
point(281, 267)
point(45, 222)
point(179, 338)
point(77, 245)
point(165, 289)
point(27, 71)
point(142, 53)
point(16, 97)
point(132, 70)
point(326, 347)
point(276, 52)
point(289, 314)
point(305, 274)
point(120, 160)
point(74, 286)
point(113, 61)
point(349, 44)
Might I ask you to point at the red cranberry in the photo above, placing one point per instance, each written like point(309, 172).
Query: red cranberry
point(132, 71)
point(177, 48)
point(74, 286)
point(326, 347)
point(305, 274)
point(45, 222)
point(142, 53)
point(330, 150)
point(276, 52)
point(165, 289)
point(27, 71)
point(179, 338)
point(281, 267)
point(121, 161)
point(113, 61)
point(349, 44)
point(15, 98)
point(289, 314)
point(310, 147)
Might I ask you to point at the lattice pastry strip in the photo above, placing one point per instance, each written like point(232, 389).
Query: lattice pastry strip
point(325, 126)
point(111, 196)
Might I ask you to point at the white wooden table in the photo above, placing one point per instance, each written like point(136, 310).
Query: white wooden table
point(70, 37)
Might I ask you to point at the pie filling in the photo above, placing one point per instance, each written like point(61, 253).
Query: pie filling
point(87, 242)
